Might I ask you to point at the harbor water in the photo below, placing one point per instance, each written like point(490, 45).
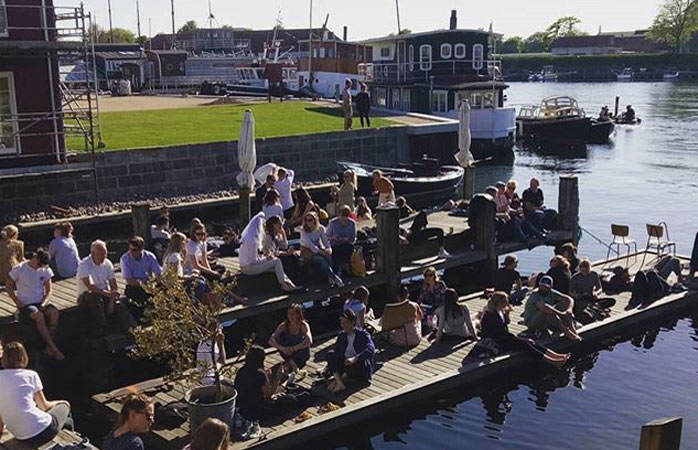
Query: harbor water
point(647, 174)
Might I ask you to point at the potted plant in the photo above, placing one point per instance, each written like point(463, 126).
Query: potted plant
point(179, 320)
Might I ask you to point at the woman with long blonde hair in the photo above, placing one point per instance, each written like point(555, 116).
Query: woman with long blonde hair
point(345, 195)
point(175, 253)
point(11, 251)
point(316, 247)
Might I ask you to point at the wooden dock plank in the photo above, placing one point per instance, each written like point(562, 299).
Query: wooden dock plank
point(64, 437)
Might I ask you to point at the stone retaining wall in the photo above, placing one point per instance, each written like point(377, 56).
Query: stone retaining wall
point(126, 175)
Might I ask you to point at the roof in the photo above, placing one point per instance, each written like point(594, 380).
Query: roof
point(119, 55)
point(394, 37)
point(480, 85)
point(625, 34)
point(584, 41)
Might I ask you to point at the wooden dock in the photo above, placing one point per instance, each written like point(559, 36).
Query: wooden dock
point(64, 437)
point(403, 376)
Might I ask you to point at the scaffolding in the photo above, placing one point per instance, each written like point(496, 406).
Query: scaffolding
point(59, 36)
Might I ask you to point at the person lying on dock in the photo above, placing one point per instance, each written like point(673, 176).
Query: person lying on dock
point(353, 355)
point(548, 309)
point(341, 232)
point(98, 293)
point(63, 251)
point(495, 325)
point(137, 267)
point(136, 417)
point(24, 410)
point(420, 232)
point(652, 283)
point(534, 207)
point(293, 339)
point(316, 248)
point(251, 260)
point(29, 286)
point(454, 319)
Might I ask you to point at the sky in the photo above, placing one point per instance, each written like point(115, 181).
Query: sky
point(374, 18)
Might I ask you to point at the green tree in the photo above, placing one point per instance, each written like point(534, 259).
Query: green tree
point(120, 35)
point(675, 24)
point(188, 27)
point(562, 27)
point(536, 43)
point(514, 44)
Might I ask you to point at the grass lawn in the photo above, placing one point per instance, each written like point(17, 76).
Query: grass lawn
point(153, 128)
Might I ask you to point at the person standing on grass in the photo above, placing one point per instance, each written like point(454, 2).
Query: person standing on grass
point(363, 104)
point(346, 105)
point(29, 286)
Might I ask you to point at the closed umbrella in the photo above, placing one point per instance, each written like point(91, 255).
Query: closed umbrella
point(464, 157)
point(247, 159)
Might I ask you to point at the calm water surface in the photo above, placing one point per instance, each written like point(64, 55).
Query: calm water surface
point(647, 174)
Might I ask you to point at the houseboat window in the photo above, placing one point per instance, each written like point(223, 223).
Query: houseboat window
point(410, 57)
point(425, 57)
point(396, 99)
point(385, 52)
point(476, 100)
point(446, 51)
point(488, 100)
point(478, 56)
point(406, 104)
point(322, 52)
point(315, 52)
point(8, 124)
point(381, 100)
point(459, 51)
point(439, 101)
point(3, 18)
point(385, 72)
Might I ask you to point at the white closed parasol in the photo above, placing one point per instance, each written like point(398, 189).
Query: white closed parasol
point(247, 152)
point(464, 157)
point(263, 171)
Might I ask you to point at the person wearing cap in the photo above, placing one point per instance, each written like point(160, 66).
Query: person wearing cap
point(346, 104)
point(548, 309)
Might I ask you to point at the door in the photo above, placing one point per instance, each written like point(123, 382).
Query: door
point(401, 61)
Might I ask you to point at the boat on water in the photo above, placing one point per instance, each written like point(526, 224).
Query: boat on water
point(671, 75)
point(421, 177)
point(625, 75)
point(561, 118)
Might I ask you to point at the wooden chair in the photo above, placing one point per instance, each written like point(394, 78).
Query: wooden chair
point(621, 238)
point(656, 240)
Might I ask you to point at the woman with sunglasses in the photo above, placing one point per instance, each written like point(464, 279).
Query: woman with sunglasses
point(197, 259)
point(316, 248)
point(136, 417)
point(433, 290)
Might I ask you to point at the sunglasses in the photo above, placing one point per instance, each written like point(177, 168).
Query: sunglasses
point(310, 219)
point(429, 275)
point(200, 233)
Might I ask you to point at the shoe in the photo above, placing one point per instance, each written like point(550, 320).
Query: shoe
point(338, 282)
point(444, 254)
point(255, 431)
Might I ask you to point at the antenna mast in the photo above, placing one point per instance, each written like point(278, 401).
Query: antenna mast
point(174, 32)
point(138, 18)
point(211, 17)
point(111, 28)
point(397, 10)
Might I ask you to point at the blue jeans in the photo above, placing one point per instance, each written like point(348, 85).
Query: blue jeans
point(324, 263)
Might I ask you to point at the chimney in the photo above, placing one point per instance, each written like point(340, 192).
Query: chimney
point(453, 25)
point(345, 32)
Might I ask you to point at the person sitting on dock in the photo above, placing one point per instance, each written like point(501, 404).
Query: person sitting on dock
point(410, 315)
point(509, 209)
point(353, 354)
point(197, 253)
point(560, 273)
point(569, 251)
point(175, 253)
point(275, 245)
point(212, 434)
point(507, 227)
point(341, 232)
point(585, 285)
point(160, 228)
point(431, 296)
point(231, 242)
point(534, 207)
point(271, 204)
point(547, 309)
point(251, 261)
point(284, 184)
point(262, 190)
point(137, 267)
point(405, 209)
point(358, 303)
point(363, 211)
point(24, 410)
point(293, 339)
point(383, 188)
point(453, 319)
point(495, 325)
point(316, 248)
point(11, 251)
point(136, 417)
point(63, 251)
point(507, 279)
point(29, 286)
point(98, 294)
point(304, 205)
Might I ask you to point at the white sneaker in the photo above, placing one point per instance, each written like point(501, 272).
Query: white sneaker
point(255, 431)
point(444, 254)
point(338, 282)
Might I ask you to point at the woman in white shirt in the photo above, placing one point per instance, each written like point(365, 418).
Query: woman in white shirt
point(176, 253)
point(271, 204)
point(316, 248)
point(197, 253)
point(251, 261)
point(24, 409)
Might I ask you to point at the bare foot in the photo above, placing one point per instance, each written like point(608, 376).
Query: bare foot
point(339, 388)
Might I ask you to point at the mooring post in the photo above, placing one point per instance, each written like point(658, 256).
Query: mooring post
point(568, 206)
point(469, 182)
point(662, 434)
point(245, 211)
point(388, 247)
point(484, 228)
point(615, 111)
point(140, 220)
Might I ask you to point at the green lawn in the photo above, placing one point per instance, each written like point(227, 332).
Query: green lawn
point(153, 128)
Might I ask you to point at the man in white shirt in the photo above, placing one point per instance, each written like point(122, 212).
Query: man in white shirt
point(29, 286)
point(284, 184)
point(98, 293)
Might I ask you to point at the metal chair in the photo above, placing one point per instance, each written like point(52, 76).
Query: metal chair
point(656, 240)
point(621, 237)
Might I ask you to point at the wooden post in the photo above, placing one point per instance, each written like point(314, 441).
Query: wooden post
point(245, 211)
point(615, 111)
point(469, 183)
point(140, 220)
point(484, 228)
point(388, 249)
point(662, 434)
point(568, 205)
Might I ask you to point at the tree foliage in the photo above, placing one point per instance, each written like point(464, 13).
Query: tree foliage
point(120, 35)
point(188, 27)
point(536, 43)
point(514, 44)
point(563, 27)
point(676, 22)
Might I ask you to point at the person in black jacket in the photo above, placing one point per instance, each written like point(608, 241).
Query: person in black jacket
point(363, 104)
point(495, 325)
point(353, 354)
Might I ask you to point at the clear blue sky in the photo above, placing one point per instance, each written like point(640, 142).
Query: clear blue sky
point(371, 18)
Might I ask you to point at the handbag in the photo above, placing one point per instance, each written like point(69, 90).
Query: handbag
point(357, 264)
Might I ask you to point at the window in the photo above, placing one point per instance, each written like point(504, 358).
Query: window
point(322, 52)
point(385, 72)
point(3, 19)
point(439, 101)
point(9, 141)
point(406, 104)
point(381, 100)
point(425, 57)
point(476, 100)
point(446, 51)
point(385, 52)
point(478, 56)
point(410, 57)
point(459, 51)
point(396, 99)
